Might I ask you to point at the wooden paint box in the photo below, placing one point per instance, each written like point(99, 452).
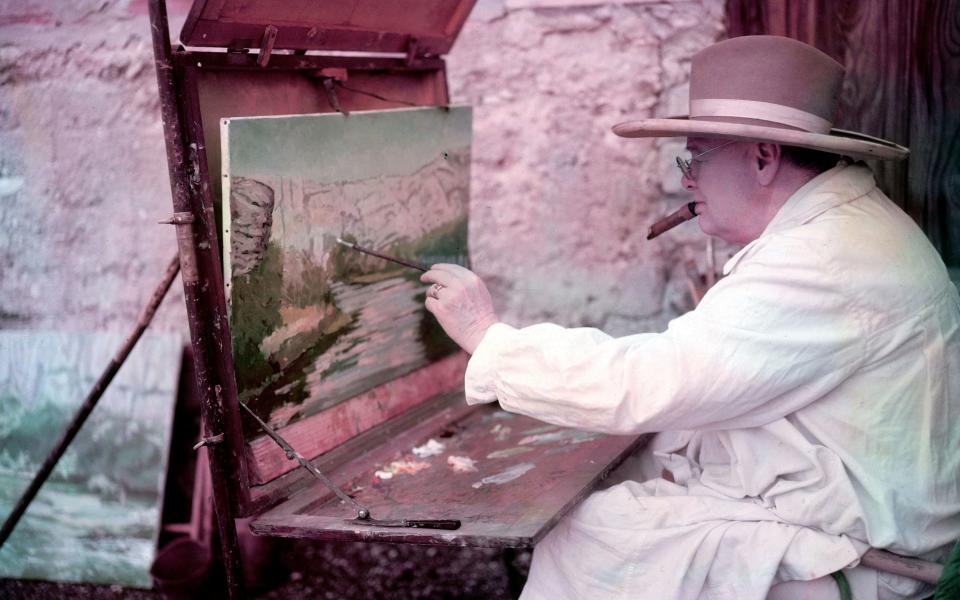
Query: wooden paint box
point(507, 478)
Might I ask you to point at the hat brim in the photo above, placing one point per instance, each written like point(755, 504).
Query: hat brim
point(838, 141)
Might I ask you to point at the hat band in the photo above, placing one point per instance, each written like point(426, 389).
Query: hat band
point(755, 109)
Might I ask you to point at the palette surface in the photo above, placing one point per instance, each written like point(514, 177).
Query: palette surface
point(508, 479)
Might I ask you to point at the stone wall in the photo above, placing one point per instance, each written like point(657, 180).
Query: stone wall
point(83, 176)
point(560, 205)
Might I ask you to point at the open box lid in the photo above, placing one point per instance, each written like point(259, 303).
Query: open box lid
point(420, 27)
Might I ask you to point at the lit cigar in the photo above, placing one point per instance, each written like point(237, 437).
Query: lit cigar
point(681, 215)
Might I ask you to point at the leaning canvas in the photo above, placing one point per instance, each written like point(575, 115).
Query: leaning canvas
point(97, 518)
point(314, 323)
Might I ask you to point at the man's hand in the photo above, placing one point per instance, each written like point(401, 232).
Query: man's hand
point(461, 303)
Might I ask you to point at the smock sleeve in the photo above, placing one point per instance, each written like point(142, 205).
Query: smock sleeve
point(773, 336)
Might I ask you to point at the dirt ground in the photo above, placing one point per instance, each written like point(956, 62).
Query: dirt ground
point(335, 570)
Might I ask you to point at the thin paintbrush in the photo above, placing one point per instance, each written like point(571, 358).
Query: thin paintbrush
point(392, 259)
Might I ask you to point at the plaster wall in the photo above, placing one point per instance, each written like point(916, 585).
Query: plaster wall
point(560, 205)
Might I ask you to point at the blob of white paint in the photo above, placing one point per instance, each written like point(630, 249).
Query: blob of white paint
point(505, 476)
point(398, 467)
point(431, 448)
point(564, 436)
point(462, 464)
point(501, 431)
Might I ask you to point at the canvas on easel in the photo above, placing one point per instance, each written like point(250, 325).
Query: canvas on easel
point(314, 323)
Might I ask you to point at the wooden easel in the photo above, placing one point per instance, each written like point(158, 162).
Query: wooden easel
point(400, 66)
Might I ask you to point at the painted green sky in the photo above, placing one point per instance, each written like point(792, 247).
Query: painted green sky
point(366, 143)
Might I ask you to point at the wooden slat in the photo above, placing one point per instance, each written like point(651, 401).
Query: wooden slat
point(934, 177)
point(902, 84)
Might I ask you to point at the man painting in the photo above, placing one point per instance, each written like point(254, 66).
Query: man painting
point(805, 408)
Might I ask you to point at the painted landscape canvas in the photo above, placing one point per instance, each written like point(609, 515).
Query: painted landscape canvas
point(97, 518)
point(312, 322)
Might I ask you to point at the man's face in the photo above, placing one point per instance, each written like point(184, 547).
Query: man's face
point(722, 189)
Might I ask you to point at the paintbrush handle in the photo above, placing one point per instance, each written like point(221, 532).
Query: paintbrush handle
point(386, 257)
point(433, 523)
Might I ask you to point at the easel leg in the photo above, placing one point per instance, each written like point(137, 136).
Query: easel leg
point(183, 219)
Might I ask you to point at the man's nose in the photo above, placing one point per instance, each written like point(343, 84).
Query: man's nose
point(688, 183)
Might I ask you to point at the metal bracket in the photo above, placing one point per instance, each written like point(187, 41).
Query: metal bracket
point(188, 255)
point(266, 45)
point(208, 441)
point(328, 85)
point(180, 218)
point(413, 46)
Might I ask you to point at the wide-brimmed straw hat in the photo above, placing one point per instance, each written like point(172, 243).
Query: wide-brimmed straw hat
point(765, 88)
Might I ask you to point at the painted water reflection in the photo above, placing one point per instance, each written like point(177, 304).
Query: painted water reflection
point(386, 334)
point(386, 342)
point(71, 534)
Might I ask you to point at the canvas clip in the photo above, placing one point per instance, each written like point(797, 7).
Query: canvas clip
point(413, 47)
point(208, 441)
point(328, 85)
point(266, 45)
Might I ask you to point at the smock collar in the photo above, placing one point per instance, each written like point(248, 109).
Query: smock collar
point(839, 185)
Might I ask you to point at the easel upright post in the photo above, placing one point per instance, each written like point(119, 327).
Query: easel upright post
point(207, 386)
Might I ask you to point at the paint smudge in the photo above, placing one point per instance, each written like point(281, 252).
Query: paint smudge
point(507, 452)
point(504, 476)
point(281, 415)
point(500, 415)
point(401, 467)
point(462, 464)
point(541, 429)
point(566, 436)
point(585, 436)
point(431, 448)
point(501, 431)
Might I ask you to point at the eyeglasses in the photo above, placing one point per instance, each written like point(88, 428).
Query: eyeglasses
point(686, 166)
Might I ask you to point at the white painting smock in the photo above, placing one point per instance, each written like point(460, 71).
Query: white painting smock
point(813, 395)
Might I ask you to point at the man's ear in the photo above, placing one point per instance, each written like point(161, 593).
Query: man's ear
point(766, 161)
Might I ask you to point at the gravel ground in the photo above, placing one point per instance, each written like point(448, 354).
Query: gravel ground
point(334, 570)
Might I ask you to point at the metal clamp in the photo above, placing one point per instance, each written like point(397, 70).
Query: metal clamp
point(413, 51)
point(328, 85)
point(266, 45)
point(180, 218)
point(188, 256)
point(208, 441)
